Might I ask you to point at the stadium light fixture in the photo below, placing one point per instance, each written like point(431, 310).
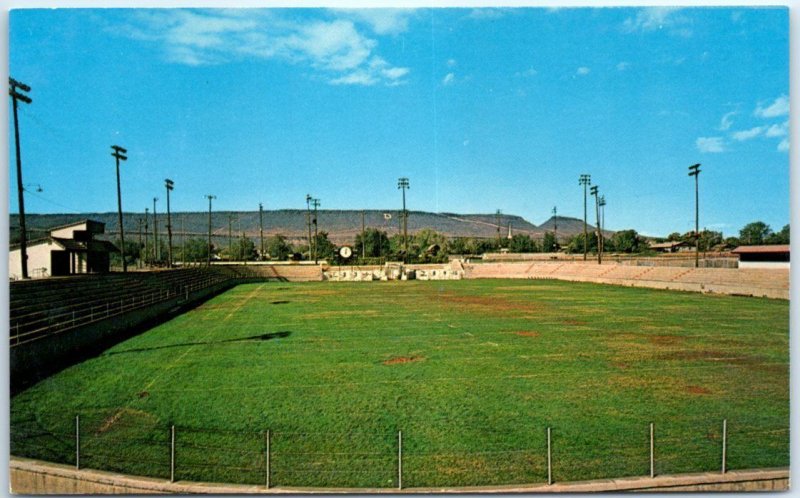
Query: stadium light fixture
point(169, 184)
point(585, 180)
point(208, 256)
point(694, 170)
point(403, 184)
point(119, 155)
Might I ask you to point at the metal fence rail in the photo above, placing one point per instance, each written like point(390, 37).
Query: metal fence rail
point(132, 442)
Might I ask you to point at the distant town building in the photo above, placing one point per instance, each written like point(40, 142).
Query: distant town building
point(671, 246)
point(68, 250)
point(772, 256)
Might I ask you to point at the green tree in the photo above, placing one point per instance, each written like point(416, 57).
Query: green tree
point(674, 237)
point(549, 243)
point(754, 233)
point(575, 244)
point(324, 247)
point(196, 250)
point(375, 242)
point(278, 248)
point(627, 241)
point(457, 245)
point(709, 239)
point(522, 242)
point(781, 237)
point(133, 251)
point(244, 249)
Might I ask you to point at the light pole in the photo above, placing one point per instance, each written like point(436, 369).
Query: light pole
point(555, 227)
point(14, 89)
point(231, 217)
point(208, 256)
point(497, 222)
point(597, 228)
point(261, 229)
point(146, 234)
point(169, 184)
point(585, 180)
point(402, 184)
point(315, 205)
point(308, 222)
point(119, 155)
point(602, 222)
point(156, 248)
point(694, 170)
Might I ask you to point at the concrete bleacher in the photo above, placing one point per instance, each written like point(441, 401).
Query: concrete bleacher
point(773, 283)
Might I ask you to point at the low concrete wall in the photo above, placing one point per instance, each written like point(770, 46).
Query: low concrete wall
point(35, 477)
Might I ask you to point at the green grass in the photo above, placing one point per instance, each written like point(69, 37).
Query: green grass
point(472, 372)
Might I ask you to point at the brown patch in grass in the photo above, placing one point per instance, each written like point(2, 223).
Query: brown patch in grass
point(485, 304)
point(621, 366)
point(403, 359)
point(327, 314)
point(664, 339)
point(698, 390)
point(124, 416)
point(574, 322)
point(527, 333)
point(143, 394)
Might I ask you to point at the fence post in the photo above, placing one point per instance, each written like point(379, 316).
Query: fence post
point(77, 442)
point(267, 463)
point(652, 453)
point(549, 460)
point(172, 454)
point(399, 459)
point(724, 442)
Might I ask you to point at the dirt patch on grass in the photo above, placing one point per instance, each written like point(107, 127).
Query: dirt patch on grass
point(527, 333)
point(403, 359)
point(621, 366)
point(329, 314)
point(486, 304)
point(698, 390)
point(574, 322)
point(664, 339)
point(710, 355)
point(125, 417)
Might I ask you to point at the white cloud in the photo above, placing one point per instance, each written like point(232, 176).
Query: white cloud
point(466, 142)
point(451, 63)
point(656, 18)
point(486, 14)
point(334, 48)
point(381, 21)
point(622, 66)
point(748, 134)
point(726, 121)
point(449, 79)
point(528, 73)
point(710, 144)
point(778, 130)
point(784, 145)
point(780, 107)
point(583, 71)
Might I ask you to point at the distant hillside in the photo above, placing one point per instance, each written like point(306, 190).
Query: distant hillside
point(342, 226)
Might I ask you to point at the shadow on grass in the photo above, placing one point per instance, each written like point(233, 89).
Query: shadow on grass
point(252, 338)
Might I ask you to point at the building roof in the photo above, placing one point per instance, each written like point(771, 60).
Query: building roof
point(771, 249)
point(667, 245)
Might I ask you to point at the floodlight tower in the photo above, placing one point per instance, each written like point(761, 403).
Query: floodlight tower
point(208, 256)
point(146, 234)
point(585, 180)
point(308, 222)
point(597, 228)
point(14, 89)
point(169, 184)
point(555, 226)
point(694, 170)
point(156, 248)
point(402, 184)
point(315, 205)
point(261, 228)
point(497, 215)
point(119, 155)
point(602, 222)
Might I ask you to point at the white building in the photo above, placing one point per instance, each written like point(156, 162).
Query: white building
point(68, 250)
point(772, 256)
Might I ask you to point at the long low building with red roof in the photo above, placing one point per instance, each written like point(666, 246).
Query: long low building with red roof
point(770, 256)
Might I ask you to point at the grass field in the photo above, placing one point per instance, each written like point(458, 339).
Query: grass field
point(472, 372)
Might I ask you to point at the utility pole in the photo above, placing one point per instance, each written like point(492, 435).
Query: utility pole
point(169, 184)
point(183, 240)
point(555, 226)
point(119, 155)
point(602, 223)
point(261, 229)
point(208, 256)
point(497, 223)
point(308, 222)
point(363, 235)
point(140, 241)
point(14, 89)
point(402, 184)
point(585, 180)
point(146, 234)
point(315, 204)
point(597, 228)
point(230, 237)
point(694, 170)
point(156, 248)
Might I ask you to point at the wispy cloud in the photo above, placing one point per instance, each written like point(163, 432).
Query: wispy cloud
point(657, 18)
point(622, 66)
point(528, 73)
point(727, 120)
point(784, 145)
point(452, 63)
point(778, 130)
point(779, 107)
point(743, 135)
point(710, 144)
point(449, 79)
point(381, 21)
point(486, 13)
point(333, 47)
point(583, 71)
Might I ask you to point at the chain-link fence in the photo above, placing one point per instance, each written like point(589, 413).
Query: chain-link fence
point(136, 443)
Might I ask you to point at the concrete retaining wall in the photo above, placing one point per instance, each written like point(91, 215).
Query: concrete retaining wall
point(35, 477)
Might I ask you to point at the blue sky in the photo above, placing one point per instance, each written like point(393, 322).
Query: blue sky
point(482, 109)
